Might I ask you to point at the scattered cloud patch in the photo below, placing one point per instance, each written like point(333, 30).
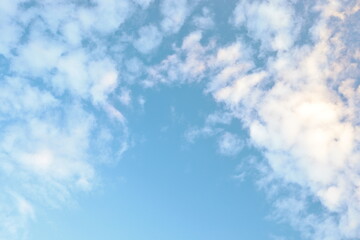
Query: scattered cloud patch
point(297, 94)
point(271, 22)
point(229, 144)
point(175, 13)
point(125, 96)
point(149, 38)
point(205, 20)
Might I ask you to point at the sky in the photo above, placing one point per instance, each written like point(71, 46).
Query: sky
point(179, 119)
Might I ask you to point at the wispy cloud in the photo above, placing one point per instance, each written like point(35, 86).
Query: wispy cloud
point(143, 3)
point(303, 122)
point(187, 64)
point(271, 22)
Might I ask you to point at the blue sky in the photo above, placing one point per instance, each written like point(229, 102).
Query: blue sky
point(178, 119)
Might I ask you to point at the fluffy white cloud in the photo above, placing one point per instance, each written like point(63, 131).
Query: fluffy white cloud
point(44, 153)
point(38, 57)
point(187, 64)
point(306, 127)
point(125, 96)
point(271, 22)
point(297, 97)
point(32, 100)
point(240, 88)
point(10, 29)
point(107, 16)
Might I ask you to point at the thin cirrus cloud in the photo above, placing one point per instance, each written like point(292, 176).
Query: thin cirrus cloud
point(291, 78)
point(205, 20)
point(271, 22)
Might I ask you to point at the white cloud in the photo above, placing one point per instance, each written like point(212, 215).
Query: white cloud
point(10, 30)
point(211, 127)
point(114, 113)
point(230, 144)
point(38, 57)
point(230, 63)
point(194, 133)
point(149, 39)
point(175, 13)
point(72, 33)
point(44, 148)
point(125, 96)
point(141, 101)
point(189, 63)
point(205, 20)
point(32, 100)
point(240, 88)
point(271, 22)
point(14, 216)
point(44, 154)
point(105, 79)
point(80, 75)
point(70, 67)
point(24, 207)
point(108, 15)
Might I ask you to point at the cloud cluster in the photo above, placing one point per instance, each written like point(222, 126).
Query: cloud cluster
point(56, 106)
point(62, 81)
point(175, 12)
point(44, 152)
point(298, 95)
point(60, 87)
point(271, 22)
point(303, 113)
point(291, 77)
